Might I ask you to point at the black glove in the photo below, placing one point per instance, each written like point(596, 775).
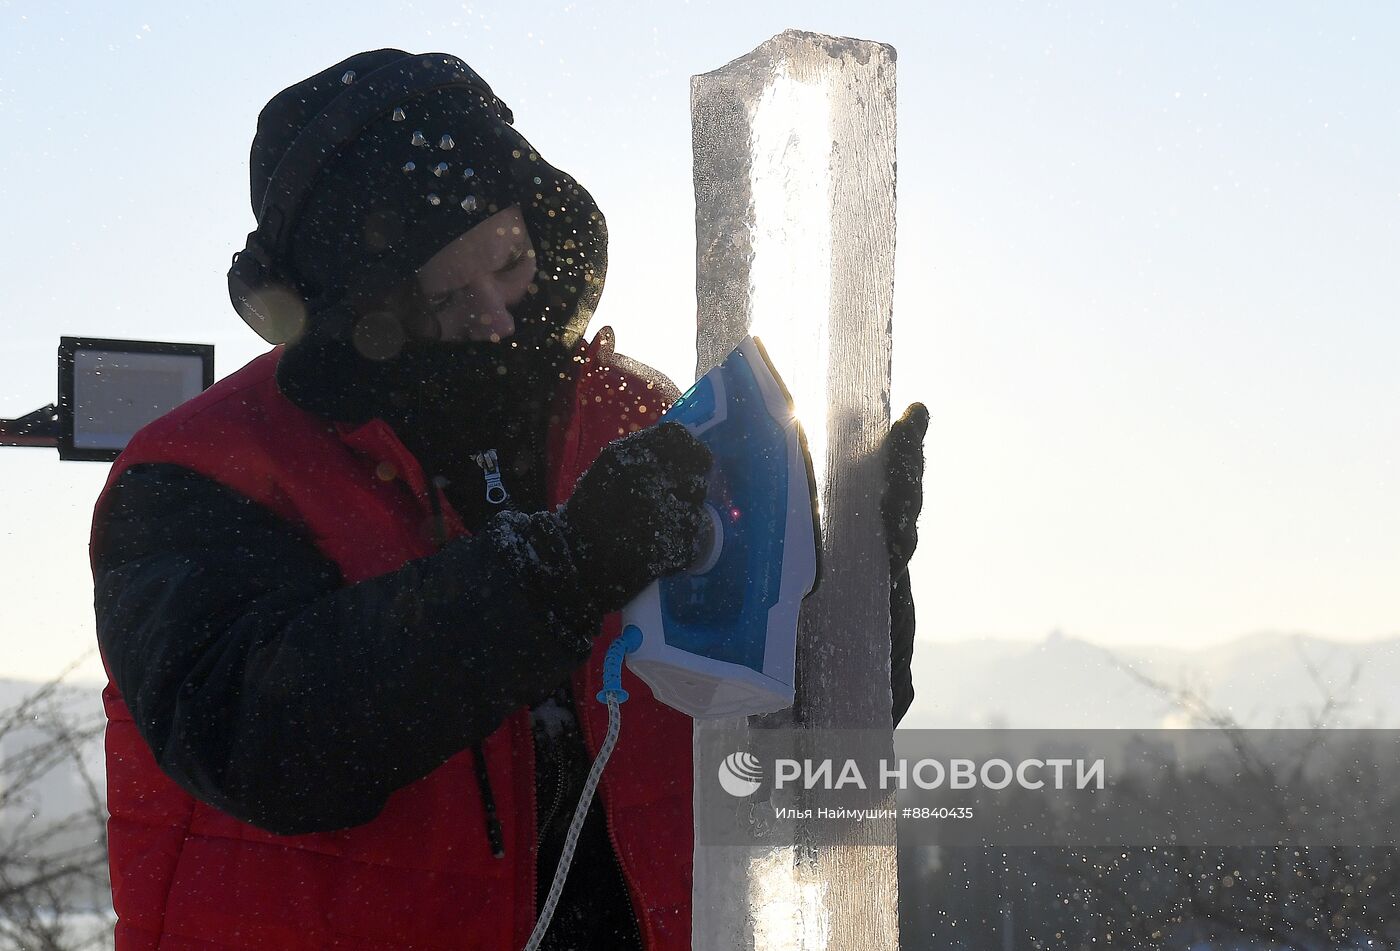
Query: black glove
point(635, 514)
point(900, 506)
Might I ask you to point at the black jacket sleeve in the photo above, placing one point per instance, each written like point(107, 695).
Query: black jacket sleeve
point(900, 506)
point(901, 644)
point(268, 688)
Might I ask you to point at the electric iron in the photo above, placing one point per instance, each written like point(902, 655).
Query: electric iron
point(720, 638)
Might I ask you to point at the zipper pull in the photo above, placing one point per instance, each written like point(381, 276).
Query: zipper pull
point(496, 492)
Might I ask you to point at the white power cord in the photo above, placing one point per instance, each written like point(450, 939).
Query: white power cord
point(566, 857)
point(613, 695)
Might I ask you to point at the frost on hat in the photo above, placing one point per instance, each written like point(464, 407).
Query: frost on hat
point(419, 176)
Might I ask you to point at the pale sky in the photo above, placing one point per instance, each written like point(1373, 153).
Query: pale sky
point(1146, 276)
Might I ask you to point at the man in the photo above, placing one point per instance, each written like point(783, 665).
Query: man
point(353, 599)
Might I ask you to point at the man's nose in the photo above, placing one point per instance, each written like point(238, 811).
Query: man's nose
point(493, 319)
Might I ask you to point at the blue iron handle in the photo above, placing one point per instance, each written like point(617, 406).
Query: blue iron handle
point(629, 640)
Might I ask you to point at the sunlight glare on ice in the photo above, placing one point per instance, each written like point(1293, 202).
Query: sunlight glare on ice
point(790, 279)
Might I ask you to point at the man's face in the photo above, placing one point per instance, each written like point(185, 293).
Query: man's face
point(472, 283)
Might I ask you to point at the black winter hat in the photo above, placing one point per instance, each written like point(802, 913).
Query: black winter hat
point(414, 179)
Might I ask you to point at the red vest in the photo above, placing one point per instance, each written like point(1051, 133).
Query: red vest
point(421, 874)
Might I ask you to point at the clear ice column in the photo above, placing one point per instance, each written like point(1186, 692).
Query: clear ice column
point(794, 152)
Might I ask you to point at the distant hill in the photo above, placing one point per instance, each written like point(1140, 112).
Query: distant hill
point(1061, 682)
point(58, 791)
point(82, 694)
point(1263, 680)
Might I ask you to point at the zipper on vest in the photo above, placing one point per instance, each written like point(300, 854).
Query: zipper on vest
point(647, 941)
point(488, 802)
point(496, 492)
point(558, 759)
point(435, 490)
point(483, 778)
point(626, 888)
